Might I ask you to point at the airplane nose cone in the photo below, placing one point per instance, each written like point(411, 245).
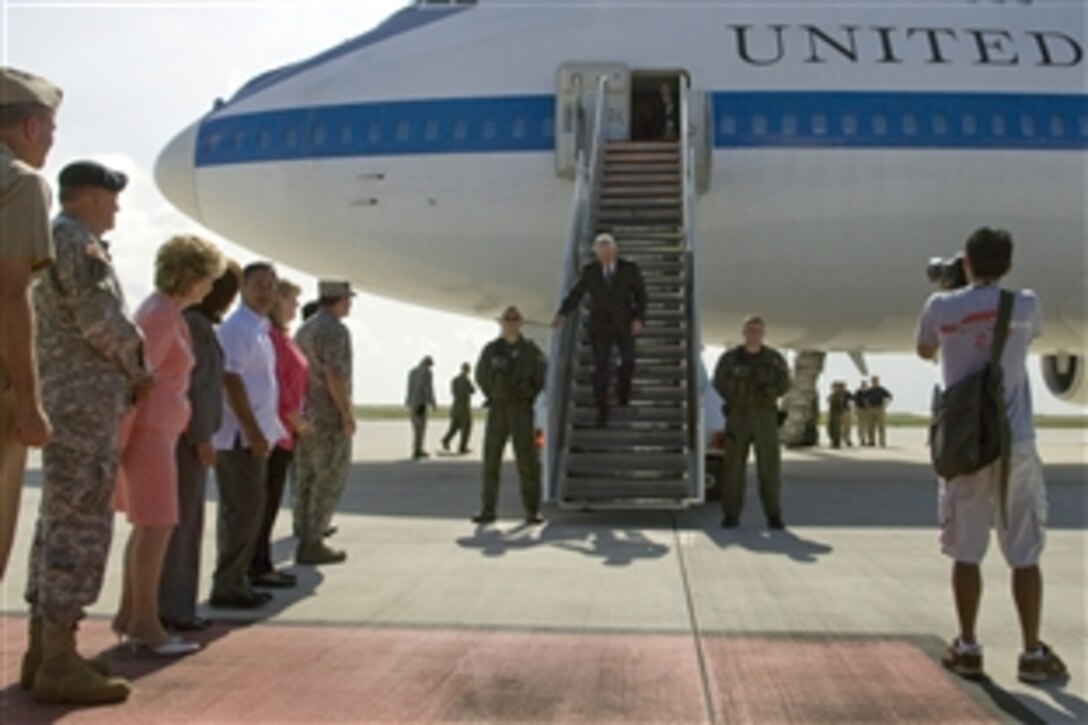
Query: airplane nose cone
point(175, 172)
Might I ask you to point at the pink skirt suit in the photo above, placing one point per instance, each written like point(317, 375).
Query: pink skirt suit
point(147, 483)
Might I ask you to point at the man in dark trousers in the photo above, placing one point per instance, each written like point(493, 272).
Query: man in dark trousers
point(616, 315)
point(462, 389)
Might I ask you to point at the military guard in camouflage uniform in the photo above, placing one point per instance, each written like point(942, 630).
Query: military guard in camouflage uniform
point(838, 408)
point(323, 457)
point(511, 373)
point(91, 361)
point(751, 378)
point(28, 106)
point(462, 390)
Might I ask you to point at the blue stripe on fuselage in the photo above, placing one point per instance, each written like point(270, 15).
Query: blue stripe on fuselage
point(510, 124)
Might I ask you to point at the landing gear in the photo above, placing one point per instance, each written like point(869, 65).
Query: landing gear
point(802, 404)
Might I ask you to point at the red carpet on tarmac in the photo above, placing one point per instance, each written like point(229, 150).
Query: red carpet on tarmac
point(277, 673)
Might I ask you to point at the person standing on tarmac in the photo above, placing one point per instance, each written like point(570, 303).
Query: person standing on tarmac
point(418, 399)
point(511, 372)
point(862, 415)
point(462, 389)
point(751, 378)
point(877, 399)
point(28, 106)
point(837, 410)
point(93, 368)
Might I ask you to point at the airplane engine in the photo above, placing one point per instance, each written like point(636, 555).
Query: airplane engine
point(1064, 376)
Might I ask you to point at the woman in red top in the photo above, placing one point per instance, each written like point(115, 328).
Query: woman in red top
point(147, 488)
point(291, 369)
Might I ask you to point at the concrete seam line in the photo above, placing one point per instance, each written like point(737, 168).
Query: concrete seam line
point(700, 655)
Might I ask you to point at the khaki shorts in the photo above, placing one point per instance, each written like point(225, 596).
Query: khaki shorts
point(968, 504)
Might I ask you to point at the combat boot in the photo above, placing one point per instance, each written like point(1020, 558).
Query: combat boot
point(317, 553)
point(64, 678)
point(32, 659)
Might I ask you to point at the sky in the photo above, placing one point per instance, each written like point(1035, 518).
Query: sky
point(134, 73)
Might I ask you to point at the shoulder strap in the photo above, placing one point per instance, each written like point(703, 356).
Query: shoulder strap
point(1001, 327)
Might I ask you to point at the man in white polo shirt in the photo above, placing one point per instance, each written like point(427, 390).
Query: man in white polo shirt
point(960, 325)
point(243, 442)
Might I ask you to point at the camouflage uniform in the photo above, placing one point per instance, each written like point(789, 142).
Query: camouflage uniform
point(89, 355)
point(323, 457)
point(510, 377)
point(751, 386)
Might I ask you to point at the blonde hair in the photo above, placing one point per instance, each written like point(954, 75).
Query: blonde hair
point(284, 288)
point(184, 260)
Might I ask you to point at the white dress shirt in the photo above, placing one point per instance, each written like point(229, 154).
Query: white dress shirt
point(248, 353)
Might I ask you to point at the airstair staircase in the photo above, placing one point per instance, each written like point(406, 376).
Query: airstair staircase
point(651, 452)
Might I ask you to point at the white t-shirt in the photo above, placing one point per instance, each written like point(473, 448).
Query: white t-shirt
point(962, 323)
point(248, 353)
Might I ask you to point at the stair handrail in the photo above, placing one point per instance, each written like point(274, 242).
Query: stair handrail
point(563, 343)
point(696, 393)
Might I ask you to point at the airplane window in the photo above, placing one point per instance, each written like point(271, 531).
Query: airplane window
point(266, 140)
point(939, 124)
point(1057, 126)
point(317, 136)
point(1027, 125)
point(239, 140)
point(547, 128)
point(290, 139)
point(490, 129)
point(213, 141)
point(880, 124)
point(910, 124)
point(519, 128)
point(430, 131)
point(404, 131)
point(849, 124)
point(1083, 123)
point(970, 125)
point(759, 124)
point(460, 130)
point(789, 124)
point(819, 124)
point(997, 125)
point(728, 124)
point(345, 134)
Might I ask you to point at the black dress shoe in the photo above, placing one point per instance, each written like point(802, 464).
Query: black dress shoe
point(775, 522)
point(730, 522)
point(534, 519)
point(251, 600)
point(196, 624)
point(274, 580)
point(483, 518)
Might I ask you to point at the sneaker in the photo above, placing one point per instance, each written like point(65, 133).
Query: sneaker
point(1041, 666)
point(963, 659)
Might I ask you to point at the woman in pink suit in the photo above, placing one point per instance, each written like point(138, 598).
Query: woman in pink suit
point(147, 483)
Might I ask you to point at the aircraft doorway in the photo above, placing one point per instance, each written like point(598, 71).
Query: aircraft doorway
point(655, 105)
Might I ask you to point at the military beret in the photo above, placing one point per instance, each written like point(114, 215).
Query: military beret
point(17, 86)
point(328, 288)
point(91, 173)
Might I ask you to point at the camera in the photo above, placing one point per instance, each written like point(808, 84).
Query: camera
point(948, 274)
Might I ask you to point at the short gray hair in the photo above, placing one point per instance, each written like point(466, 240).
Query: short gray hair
point(604, 240)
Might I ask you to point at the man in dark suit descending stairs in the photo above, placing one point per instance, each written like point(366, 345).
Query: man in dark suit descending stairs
point(617, 314)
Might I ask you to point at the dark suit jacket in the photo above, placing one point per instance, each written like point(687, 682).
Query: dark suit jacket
point(206, 379)
point(611, 303)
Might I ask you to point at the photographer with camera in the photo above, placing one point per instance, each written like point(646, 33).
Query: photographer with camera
point(962, 324)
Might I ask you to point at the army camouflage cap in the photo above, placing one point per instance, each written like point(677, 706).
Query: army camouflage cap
point(91, 173)
point(18, 86)
point(330, 288)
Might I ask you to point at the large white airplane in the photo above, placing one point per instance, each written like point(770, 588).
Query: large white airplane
point(842, 145)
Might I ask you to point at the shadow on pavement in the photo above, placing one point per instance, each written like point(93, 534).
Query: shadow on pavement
point(613, 546)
